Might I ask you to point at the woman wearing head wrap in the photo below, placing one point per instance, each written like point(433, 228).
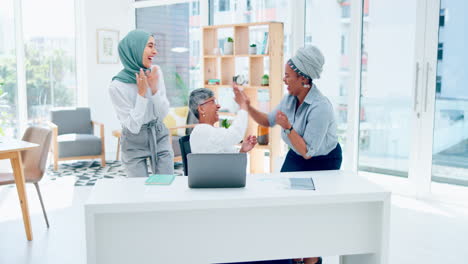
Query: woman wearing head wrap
point(139, 98)
point(306, 118)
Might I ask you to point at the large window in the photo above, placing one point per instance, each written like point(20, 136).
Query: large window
point(328, 27)
point(49, 43)
point(222, 5)
point(176, 29)
point(387, 86)
point(249, 12)
point(257, 11)
point(450, 147)
point(8, 87)
point(49, 62)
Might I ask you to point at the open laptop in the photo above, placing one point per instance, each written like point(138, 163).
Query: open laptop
point(217, 170)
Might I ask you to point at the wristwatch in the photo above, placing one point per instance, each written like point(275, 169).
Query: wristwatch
point(288, 130)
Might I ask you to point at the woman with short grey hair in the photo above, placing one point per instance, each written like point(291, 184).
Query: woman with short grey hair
point(205, 137)
point(197, 97)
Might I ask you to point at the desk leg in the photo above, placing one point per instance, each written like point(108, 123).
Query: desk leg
point(18, 171)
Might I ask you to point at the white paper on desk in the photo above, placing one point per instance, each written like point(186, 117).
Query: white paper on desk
point(302, 183)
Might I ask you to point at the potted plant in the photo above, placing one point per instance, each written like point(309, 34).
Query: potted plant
point(265, 80)
point(253, 49)
point(225, 123)
point(229, 46)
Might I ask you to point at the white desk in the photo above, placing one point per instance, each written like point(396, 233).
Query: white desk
point(129, 222)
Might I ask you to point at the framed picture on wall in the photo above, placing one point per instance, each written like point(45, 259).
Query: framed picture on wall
point(107, 43)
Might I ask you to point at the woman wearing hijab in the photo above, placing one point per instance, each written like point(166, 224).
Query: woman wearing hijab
point(139, 98)
point(306, 118)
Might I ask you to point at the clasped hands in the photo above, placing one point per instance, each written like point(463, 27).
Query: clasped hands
point(147, 79)
point(243, 101)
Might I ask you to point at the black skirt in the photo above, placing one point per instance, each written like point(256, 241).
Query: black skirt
point(331, 161)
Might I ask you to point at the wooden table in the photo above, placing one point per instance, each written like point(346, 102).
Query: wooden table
point(11, 149)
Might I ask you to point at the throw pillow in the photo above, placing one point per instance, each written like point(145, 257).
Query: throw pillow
point(177, 116)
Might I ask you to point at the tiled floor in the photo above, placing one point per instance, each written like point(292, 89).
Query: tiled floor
point(421, 232)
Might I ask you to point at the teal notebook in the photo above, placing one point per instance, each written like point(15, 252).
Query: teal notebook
point(160, 179)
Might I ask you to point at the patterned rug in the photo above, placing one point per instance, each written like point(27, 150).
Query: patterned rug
point(87, 173)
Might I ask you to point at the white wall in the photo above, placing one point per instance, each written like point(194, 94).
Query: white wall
point(103, 14)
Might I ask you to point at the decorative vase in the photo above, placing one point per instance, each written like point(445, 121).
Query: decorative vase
point(228, 47)
point(253, 50)
point(262, 135)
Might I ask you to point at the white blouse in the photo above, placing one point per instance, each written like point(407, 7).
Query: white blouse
point(134, 110)
point(209, 139)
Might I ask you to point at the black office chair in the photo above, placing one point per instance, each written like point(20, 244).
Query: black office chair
point(184, 143)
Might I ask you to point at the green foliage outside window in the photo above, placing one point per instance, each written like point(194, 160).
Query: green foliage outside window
point(4, 113)
point(49, 77)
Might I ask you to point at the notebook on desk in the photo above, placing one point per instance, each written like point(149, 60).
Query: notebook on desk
point(160, 179)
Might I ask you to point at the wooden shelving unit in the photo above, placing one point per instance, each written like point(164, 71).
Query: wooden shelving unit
point(223, 67)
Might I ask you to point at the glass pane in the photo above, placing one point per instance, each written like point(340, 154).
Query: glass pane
point(8, 88)
point(387, 86)
point(328, 27)
point(249, 11)
point(176, 29)
point(450, 148)
point(50, 56)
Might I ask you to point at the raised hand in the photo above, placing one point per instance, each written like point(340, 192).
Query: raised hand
point(246, 98)
point(153, 78)
point(239, 97)
point(248, 143)
point(142, 82)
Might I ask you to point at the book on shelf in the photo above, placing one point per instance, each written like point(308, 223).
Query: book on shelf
point(265, 43)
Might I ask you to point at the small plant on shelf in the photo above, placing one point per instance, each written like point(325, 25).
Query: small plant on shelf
point(225, 123)
point(253, 49)
point(228, 46)
point(265, 80)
